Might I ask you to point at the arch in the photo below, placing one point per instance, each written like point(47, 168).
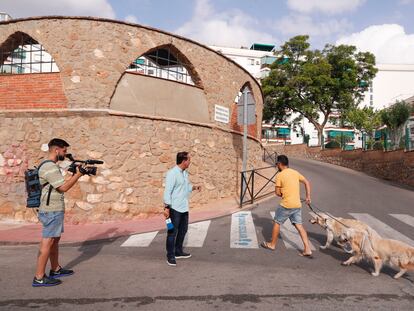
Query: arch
point(166, 62)
point(21, 54)
point(235, 124)
point(26, 68)
point(171, 92)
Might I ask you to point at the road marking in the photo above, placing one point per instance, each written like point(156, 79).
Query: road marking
point(290, 236)
point(407, 219)
point(140, 240)
point(243, 232)
point(196, 234)
point(383, 229)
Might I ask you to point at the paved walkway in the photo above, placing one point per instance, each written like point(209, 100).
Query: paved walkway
point(24, 233)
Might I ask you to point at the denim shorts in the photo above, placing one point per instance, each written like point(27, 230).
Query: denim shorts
point(52, 223)
point(283, 213)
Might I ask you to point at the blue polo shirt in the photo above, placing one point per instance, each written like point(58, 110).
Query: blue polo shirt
point(177, 189)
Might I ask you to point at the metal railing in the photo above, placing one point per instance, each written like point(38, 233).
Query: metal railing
point(269, 157)
point(254, 179)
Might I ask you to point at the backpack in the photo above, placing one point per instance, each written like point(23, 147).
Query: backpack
point(33, 186)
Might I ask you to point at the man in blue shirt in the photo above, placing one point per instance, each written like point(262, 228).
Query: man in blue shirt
point(177, 190)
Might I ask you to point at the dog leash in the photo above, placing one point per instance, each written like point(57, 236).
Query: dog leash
point(334, 218)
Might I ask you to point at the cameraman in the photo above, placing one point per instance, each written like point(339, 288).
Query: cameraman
point(51, 214)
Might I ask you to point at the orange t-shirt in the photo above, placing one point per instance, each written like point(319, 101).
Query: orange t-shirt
point(289, 182)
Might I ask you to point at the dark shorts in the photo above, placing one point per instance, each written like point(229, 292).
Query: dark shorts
point(293, 214)
point(52, 223)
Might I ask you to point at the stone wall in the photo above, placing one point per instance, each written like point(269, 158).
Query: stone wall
point(396, 166)
point(93, 54)
point(137, 152)
point(138, 147)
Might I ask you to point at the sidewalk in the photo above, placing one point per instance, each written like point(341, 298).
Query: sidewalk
point(12, 233)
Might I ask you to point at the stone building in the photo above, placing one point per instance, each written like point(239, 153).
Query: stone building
point(130, 95)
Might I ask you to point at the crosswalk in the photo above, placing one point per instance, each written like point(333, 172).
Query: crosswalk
point(290, 235)
point(243, 232)
point(382, 228)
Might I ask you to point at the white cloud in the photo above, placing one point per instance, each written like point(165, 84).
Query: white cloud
point(324, 6)
point(228, 28)
point(389, 43)
point(303, 24)
point(27, 8)
point(131, 19)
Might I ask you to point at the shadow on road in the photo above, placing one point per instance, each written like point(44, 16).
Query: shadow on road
point(94, 245)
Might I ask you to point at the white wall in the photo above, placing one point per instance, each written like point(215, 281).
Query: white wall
point(248, 59)
point(392, 82)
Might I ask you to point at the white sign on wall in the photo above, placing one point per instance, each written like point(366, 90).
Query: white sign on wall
point(221, 114)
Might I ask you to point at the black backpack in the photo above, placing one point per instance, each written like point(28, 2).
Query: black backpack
point(33, 186)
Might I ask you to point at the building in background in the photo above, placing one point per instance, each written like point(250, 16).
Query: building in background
point(254, 59)
point(4, 17)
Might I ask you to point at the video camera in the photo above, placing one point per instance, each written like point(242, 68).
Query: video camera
point(89, 170)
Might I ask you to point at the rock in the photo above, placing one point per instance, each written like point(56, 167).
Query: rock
point(1, 160)
point(164, 145)
point(165, 158)
point(100, 180)
point(94, 155)
point(120, 207)
point(128, 191)
point(6, 208)
point(116, 179)
point(19, 216)
point(85, 178)
point(75, 79)
point(86, 187)
point(100, 188)
point(209, 186)
point(114, 186)
point(94, 198)
point(110, 196)
point(84, 206)
point(106, 173)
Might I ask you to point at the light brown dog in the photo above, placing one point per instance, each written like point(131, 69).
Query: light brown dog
point(379, 251)
point(335, 226)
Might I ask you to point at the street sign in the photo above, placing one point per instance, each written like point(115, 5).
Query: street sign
point(251, 110)
point(221, 114)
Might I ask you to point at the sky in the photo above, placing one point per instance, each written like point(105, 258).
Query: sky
point(383, 27)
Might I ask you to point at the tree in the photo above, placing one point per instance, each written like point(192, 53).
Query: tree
point(316, 83)
point(394, 117)
point(364, 119)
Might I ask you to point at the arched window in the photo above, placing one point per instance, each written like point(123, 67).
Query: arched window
point(21, 54)
point(167, 63)
point(245, 94)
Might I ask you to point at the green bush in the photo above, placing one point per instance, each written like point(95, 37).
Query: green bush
point(402, 143)
point(378, 145)
point(333, 145)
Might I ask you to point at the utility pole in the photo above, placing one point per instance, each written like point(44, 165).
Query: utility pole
point(245, 92)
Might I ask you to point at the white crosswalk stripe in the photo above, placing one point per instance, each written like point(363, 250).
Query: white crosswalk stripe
point(140, 240)
point(407, 219)
point(243, 232)
point(196, 234)
point(290, 236)
point(382, 228)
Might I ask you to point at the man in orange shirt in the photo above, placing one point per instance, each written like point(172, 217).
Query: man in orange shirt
point(288, 187)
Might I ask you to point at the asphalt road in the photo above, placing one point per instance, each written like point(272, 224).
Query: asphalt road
point(220, 277)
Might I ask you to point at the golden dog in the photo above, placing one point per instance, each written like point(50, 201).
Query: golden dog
point(335, 227)
point(379, 250)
